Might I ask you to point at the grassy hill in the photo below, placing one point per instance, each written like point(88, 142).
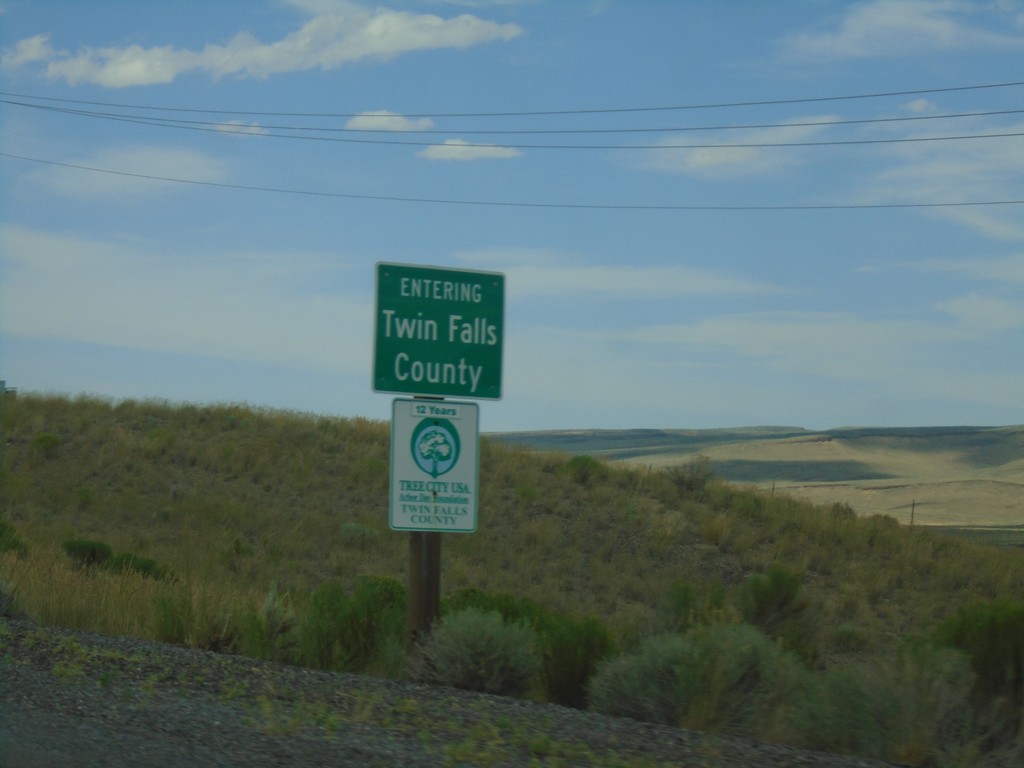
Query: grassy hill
point(254, 513)
point(245, 498)
point(969, 478)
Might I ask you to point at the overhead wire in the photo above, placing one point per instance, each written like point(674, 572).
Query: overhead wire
point(229, 127)
point(554, 112)
point(522, 204)
point(264, 131)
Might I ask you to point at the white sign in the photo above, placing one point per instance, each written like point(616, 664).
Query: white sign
point(435, 467)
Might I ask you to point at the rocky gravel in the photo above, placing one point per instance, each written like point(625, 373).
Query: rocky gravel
point(70, 698)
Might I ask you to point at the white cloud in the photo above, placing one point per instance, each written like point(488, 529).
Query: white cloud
point(907, 28)
point(320, 7)
point(544, 273)
point(383, 120)
point(498, 3)
point(1008, 270)
point(919, 106)
point(735, 161)
point(242, 306)
point(986, 312)
point(967, 171)
point(636, 282)
point(785, 367)
point(458, 149)
point(836, 345)
point(27, 51)
point(505, 258)
point(150, 162)
point(120, 67)
point(346, 34)
point(241, 128)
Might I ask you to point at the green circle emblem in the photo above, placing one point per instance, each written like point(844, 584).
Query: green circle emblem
point(435, 446)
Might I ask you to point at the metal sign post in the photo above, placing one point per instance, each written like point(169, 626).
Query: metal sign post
point(424, 586)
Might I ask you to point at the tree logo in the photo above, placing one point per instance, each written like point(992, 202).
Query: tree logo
point(435, 446)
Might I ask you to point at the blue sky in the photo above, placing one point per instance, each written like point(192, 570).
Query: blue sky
point(709, 214)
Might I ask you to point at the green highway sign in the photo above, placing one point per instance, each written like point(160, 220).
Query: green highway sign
point(438, 332)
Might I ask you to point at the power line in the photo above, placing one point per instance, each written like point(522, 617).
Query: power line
point(249, 131)
point(227, 127)
point(540, 113)
point(514, 204)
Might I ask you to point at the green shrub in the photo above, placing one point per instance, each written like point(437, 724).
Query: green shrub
point(851, 712)
point(769, 599)
point(653, 684)
point(744, 504)
point(510, 607)
point(912, 711)
point(693, 477)
point(480, 651)
point(349, 633)
point(724, 677)
point(584, 469)
point(933, 686)
point(683, 607)
point(323, 626)
point(527, 495)
point(677, 608)
point(377, 622)
point(772, 603)
point(746, 683)
point(571, 650)
point(841, 510)
point(357, 535)
point(9, 608)
point(849, 637)
point(190, 619)
point(47, 444)
point(10, 541)
point(992, 635)
point(85, 552)
point(173, 618)
point(266, 630)
point(143, 566)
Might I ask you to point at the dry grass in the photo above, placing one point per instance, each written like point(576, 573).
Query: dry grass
point(58, 594)
point(235, 501)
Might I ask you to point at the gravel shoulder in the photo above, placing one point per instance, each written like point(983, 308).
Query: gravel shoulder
point(76, 698)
